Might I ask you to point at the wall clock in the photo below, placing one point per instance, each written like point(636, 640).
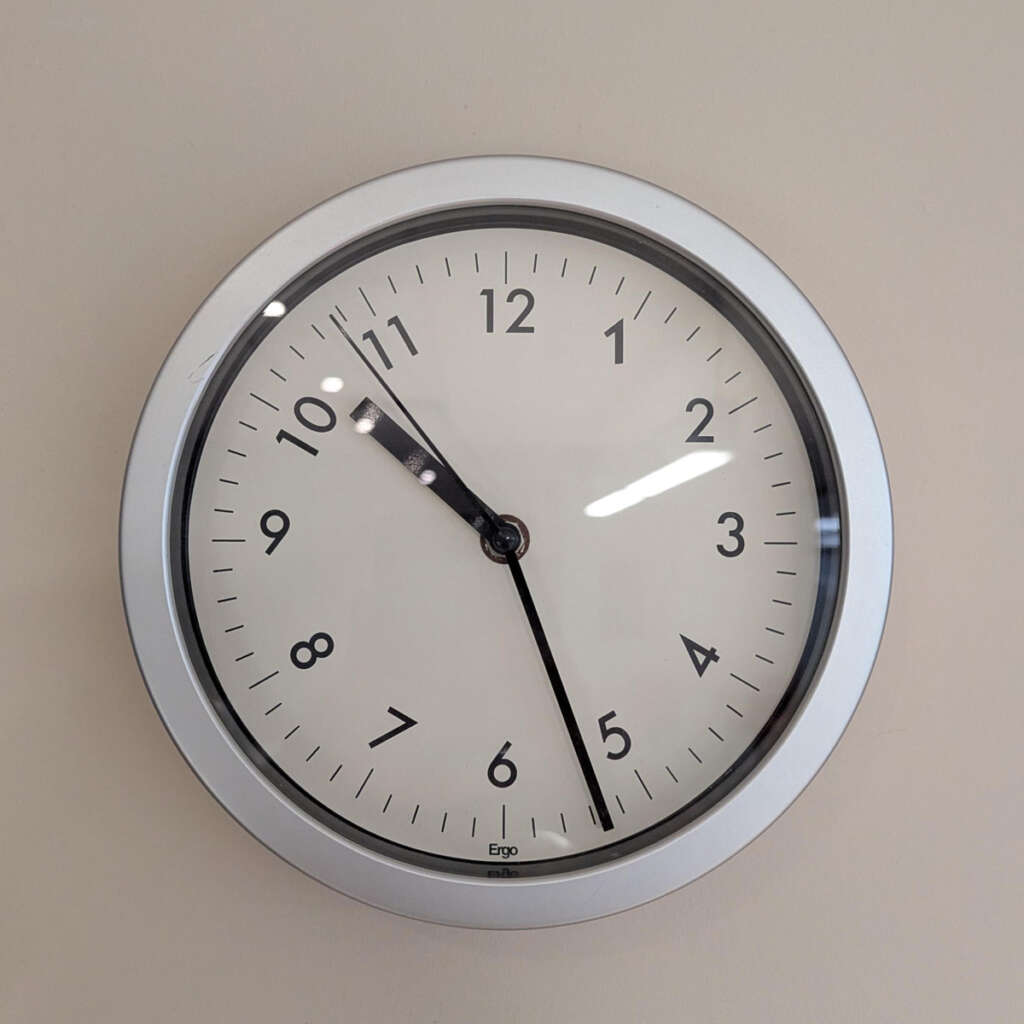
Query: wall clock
point(506, 542)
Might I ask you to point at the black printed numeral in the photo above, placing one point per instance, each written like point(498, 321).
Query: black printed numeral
point(519, 324)
point(709, 411)
point(616, 731)
point(701, 657)
point(509, 772)
point(274, 524)
point(314, 414)
point(396, 323)
point(306, 653)
point(616, 331)
point(405, 722)
point(736, 533)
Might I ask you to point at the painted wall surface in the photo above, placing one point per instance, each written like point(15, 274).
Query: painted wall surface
point(874, 150)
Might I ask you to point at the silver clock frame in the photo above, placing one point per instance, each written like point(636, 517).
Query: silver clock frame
point(339, 862)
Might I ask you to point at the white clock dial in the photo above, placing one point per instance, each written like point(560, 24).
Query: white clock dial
point(380, 668)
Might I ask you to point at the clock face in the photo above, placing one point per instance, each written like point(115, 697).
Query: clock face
point(350, 601)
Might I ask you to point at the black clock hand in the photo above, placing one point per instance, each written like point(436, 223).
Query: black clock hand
point(562, 698)
point(371, 419)
point(494, 523)
point(504, 539)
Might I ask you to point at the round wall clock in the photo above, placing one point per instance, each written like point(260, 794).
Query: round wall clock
point(506, 542)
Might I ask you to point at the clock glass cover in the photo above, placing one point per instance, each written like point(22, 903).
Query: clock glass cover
point(677, 520)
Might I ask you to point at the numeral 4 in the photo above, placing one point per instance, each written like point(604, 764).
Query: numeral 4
point(701, 657)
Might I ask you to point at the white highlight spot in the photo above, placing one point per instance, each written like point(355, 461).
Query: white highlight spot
point(679, 472)
point(427, 477)
point(331, 384)
point(275, 309)
point(364, 425)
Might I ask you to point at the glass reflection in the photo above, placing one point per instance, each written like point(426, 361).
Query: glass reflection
point(675, 473)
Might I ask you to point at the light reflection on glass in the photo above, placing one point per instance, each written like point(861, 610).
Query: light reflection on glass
point(675, 473)
point(275, 309)
point(364, 425)
point(331, 384)
point(427, 477)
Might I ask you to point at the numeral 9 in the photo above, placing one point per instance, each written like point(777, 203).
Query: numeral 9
point(274, 532)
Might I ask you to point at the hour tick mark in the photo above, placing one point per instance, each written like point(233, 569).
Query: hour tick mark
point(228, 569)
point(312, 754)
point(334, 774)
point(233, 628)
point(565, 263)
point(270, 710)
point(592, 818)
point(448, 268)
point(296, 351)
point(533, 827)
point(671, 314)
point(342, 315)
point(734, 711)
point(743, 405)
point(363, 784)
point(619, 802)
point(622, 281)
point(320, 334)
point(412, 821)
point(778, 632)
point(252, 394)
point(535, 263)
point(592, 273)
point(733, 377)
point(641, 307)
point(776, 600)
point(259, 682)
point(289, 735)
point(740, 679)
point(223, 480)
point(696, 756)
point(713, 354)
point(761, 657)
point(280, 376)
point(562, 816)
point(506, 266)
point(672, 774)
point(241, 455)
point(692, 334)
point(384, 809)
point(228, 511)
point(774, 455)
point(472, 828)
point(717, 735)
point(784, 483)
point(419, 273)
point(394, 290)
point(444, 820)
point(248, 425)
point(476, 261)
point(642, 783)
point(369, 305)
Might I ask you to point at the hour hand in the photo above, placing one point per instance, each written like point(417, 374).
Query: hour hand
point(370, 418)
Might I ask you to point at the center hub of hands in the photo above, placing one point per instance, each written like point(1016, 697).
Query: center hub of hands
point(511, 535)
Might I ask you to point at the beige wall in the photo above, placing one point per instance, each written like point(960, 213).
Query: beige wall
point(874, 149)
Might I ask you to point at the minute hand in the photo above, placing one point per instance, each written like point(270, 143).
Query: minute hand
point(562, 698)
